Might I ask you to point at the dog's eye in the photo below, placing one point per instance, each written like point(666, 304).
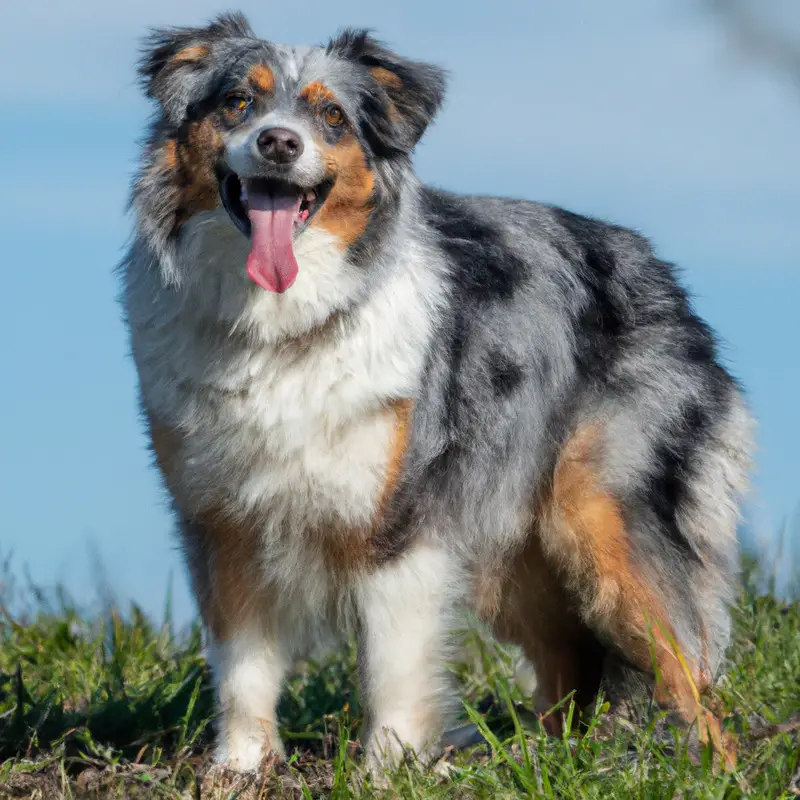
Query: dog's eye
point(236, 104)
point(334, 116)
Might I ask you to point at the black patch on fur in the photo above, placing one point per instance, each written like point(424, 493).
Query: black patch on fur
point(698, 344)
point(484, 267)
point(504, 374)
point(397, 532)
point(440, 467)
point(667, 486)
point(603, 322)
point(701, 347)
point(482, 270)
point(458, 343)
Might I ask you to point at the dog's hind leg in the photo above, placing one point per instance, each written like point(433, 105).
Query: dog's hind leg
point(585, 535)
point(534, 611)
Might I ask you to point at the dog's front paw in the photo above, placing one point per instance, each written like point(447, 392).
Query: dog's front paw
point(387, 748)
point(248, 744)
point(223, 780)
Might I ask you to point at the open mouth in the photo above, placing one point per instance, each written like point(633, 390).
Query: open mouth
point(236, 195)
point(270, 213)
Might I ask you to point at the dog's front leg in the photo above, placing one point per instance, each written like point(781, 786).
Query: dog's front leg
point(249, 667)
point(406, 616)
point(247, 640)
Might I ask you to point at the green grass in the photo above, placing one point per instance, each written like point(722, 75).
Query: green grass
point(112, 707)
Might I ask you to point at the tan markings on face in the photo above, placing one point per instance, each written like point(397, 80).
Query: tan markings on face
point(348, 207)
point(347, 210)
point(195, 176)
point(317, 93)
point(191, 55)
point(262, 78)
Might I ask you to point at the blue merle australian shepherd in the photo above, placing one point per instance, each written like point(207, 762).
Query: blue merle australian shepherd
point(377, 405)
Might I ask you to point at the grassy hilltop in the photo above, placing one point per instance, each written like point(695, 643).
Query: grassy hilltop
point(108, 706)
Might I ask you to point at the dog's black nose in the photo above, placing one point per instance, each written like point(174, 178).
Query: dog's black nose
point(280, 145)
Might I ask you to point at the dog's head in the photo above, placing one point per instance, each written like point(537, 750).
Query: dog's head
point(284, 139)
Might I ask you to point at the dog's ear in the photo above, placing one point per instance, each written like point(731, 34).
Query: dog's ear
point(176, 62)
point(401, 97)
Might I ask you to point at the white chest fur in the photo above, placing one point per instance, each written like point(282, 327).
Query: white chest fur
point(295, 427)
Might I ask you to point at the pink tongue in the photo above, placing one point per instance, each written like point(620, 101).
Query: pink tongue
point(271, 263)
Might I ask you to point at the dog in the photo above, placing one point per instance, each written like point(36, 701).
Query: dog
point(378, 406)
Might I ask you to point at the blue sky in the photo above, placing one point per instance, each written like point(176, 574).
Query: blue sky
point(641, 113)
